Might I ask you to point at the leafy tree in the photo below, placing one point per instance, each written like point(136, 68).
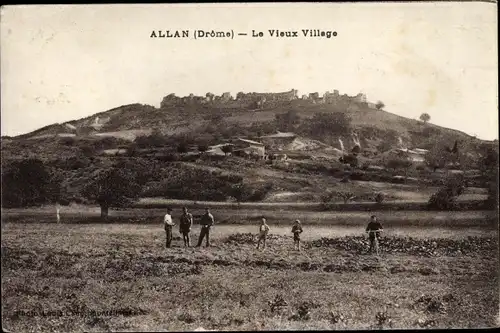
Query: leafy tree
point(379, 197)
point(87, 150)
point(323, 125)
point(202, 148)
point(437, 157)
point(425, 117)
point(28, 183)
point(350, 159)
point(114, 187)
point(132, 149)
point(489, 169)
point(346, 196)
point(380, 105)
point(445, 198)
point(182, 148)
point(227, 149)
point(240, 192)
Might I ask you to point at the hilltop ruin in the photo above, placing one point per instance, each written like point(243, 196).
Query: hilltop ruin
point(258, 101)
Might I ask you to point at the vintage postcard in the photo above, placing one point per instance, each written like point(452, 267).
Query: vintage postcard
point(278, 166)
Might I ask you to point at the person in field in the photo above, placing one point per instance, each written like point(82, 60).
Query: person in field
point(185, 226)
point(263, 231)
point(296, 230)
point(374, 229)
point(207, 221)
point(58, 216)
point(168, 224)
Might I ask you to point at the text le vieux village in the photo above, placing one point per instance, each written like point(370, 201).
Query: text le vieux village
point(201, 34)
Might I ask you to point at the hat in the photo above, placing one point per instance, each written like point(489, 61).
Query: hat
point(297, 221)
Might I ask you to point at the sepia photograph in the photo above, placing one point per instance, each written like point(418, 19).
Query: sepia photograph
point(249, 166)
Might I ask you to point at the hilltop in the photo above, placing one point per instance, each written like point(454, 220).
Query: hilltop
point(321, 130)
point(177, 115)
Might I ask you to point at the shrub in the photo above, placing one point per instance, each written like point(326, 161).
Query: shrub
point(398, 163)
point(150, 141)
point(345, 196)
point(445, 198)
point(67, 141)
point(379, 197)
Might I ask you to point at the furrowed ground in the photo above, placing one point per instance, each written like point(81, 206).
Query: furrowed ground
point(97, 277)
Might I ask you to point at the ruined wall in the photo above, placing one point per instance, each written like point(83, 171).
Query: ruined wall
point(265, 100)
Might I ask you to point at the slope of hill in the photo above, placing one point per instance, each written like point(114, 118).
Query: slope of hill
point(177, 119)
point(75, 147)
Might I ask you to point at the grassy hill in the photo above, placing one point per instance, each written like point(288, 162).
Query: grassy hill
point(76, 150)
point(190, 117)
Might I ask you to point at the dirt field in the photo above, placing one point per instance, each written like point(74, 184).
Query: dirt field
point(97, 277)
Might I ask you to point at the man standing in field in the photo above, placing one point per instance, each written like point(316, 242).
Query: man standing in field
point(168, 223)
point(58, 217)
point(296, 230)
point(263, 231)
point(373, 229)
point(207, 221)
point(185, 226)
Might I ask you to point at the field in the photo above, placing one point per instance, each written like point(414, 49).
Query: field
point(119, 277)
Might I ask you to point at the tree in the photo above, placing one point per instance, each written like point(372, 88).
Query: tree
point(445, 198)
point(202, 148)
point(379, 197)
point(28, 183)
point(240, 192)
point(287, 121)
point(350, 159)
point(425, 117)
point(240, 95)
point(182, 148)
point(346, 196)
point(227, 149)
point(437, 157)
point(488, 164)
point(323, 125)
point(380, 105)
point(114, 187)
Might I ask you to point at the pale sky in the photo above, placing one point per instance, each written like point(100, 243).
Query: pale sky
point(60, 63)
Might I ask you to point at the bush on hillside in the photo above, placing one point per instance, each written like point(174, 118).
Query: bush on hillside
point(67, 141)
point(445, 197)
point(322, 125)
point(398, 163)
point(379, 197)
point(153, 140)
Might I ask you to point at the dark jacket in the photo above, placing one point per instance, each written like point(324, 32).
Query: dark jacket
point(207, 220)
point(374, 226)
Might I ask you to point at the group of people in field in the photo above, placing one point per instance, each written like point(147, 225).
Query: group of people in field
point(185, 226)
point(374, 228)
